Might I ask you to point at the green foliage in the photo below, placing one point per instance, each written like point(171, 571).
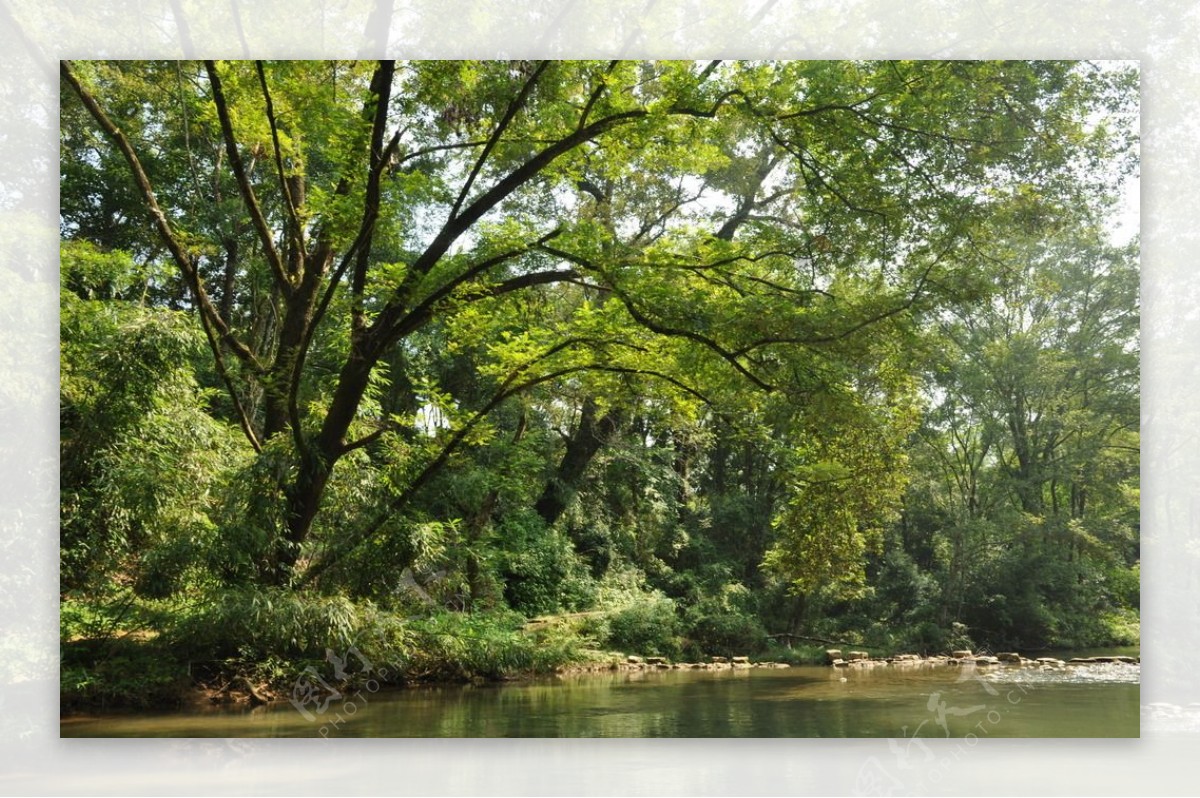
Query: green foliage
point(1123, 627)
point(541, 571)
point(253, 624)
point(486, 645)
point(91, 274)
point(649, 626)
point(129, 675)
point(111, 657)
point(711, 629)
point(705, 351)
point(382, 565)
point(1124, 586)
point(143, 460)
point(847, 479)
point(1025, 510)
point(797, 654)
point(99, 617)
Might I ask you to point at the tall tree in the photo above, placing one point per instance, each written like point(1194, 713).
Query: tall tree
point(324, 217)
point(1031, 448)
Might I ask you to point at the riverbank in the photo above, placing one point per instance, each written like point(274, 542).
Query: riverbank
point(255, 647)
point(132, 673)
point(801, 701)
point(157, 682)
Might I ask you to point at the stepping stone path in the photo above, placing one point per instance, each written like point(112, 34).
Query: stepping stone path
point(964, 657)
point(834, 657)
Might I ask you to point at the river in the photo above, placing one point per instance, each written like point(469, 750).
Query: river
point(1099, 700)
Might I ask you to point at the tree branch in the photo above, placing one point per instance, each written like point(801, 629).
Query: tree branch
point(854, 328)
point(664, 329)
point(247, 191)
point(513, 107)
point(463, 145)
point(387, 319)
point(506, 390)
point(381, 89)
point(359, 251)
point(215, 329)
point(597, 93)
point(297, 230)
point(420, 314)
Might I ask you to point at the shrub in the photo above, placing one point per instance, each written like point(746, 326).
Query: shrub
point(258, 624)
point(713, 630)
point(928, 638)
point(121, 672)
point(541, 571)
point(1124, 628)
point(647, 627)
point(489, 645)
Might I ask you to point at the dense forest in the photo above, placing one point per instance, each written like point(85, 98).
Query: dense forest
point(494, 367)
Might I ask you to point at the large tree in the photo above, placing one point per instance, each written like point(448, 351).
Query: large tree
point(716, 230)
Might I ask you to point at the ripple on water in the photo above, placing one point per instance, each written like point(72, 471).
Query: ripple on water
point(1096, 673)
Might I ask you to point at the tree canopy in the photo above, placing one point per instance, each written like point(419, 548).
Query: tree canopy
point(520, 327)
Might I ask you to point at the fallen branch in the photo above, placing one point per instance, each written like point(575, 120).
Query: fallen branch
point(813, 639)
point(255, 696)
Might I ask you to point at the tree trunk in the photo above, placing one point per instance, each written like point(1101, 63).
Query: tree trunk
point(303, 501)
point(590, 436)
point(305, 493)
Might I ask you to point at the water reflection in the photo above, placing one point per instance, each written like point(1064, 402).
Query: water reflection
point(1096, 701)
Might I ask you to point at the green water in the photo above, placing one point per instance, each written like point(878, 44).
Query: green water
point(1089, 701)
